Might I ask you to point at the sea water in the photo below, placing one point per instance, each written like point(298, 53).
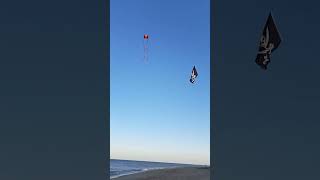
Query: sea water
point(125, 167)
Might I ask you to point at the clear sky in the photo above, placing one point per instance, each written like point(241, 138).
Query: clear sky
point(156, 113)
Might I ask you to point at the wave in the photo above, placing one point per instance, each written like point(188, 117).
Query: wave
point(124, 167)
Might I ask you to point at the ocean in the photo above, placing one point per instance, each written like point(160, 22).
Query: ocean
point(125, 167)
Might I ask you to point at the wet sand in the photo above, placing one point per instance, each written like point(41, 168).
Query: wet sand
point(189, 173)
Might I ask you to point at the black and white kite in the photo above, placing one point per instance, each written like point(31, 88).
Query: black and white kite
point(269, 42)
point(194, 74)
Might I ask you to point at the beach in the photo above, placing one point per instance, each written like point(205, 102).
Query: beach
point(185, 173)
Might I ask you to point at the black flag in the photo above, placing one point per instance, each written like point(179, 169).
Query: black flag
point(269, 42)
point(194, 74)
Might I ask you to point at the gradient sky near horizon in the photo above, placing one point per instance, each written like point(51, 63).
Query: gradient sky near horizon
point(156, 113)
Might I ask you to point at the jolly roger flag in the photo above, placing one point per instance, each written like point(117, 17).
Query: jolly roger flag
point(269, 42)
point(194, 74)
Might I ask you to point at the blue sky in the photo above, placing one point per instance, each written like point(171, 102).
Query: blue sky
point(156, 113)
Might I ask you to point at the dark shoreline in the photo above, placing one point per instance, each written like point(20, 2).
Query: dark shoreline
point(181, 173)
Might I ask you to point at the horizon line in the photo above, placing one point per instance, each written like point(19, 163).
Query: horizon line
point(160, 162)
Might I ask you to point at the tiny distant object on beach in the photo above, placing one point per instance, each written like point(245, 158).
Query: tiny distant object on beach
point(194, 75)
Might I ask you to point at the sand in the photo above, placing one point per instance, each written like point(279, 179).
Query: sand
point(189, 173)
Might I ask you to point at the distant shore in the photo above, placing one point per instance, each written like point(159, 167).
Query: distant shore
point(185, 173)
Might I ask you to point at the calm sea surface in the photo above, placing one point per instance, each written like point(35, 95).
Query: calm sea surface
point(125, 167)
